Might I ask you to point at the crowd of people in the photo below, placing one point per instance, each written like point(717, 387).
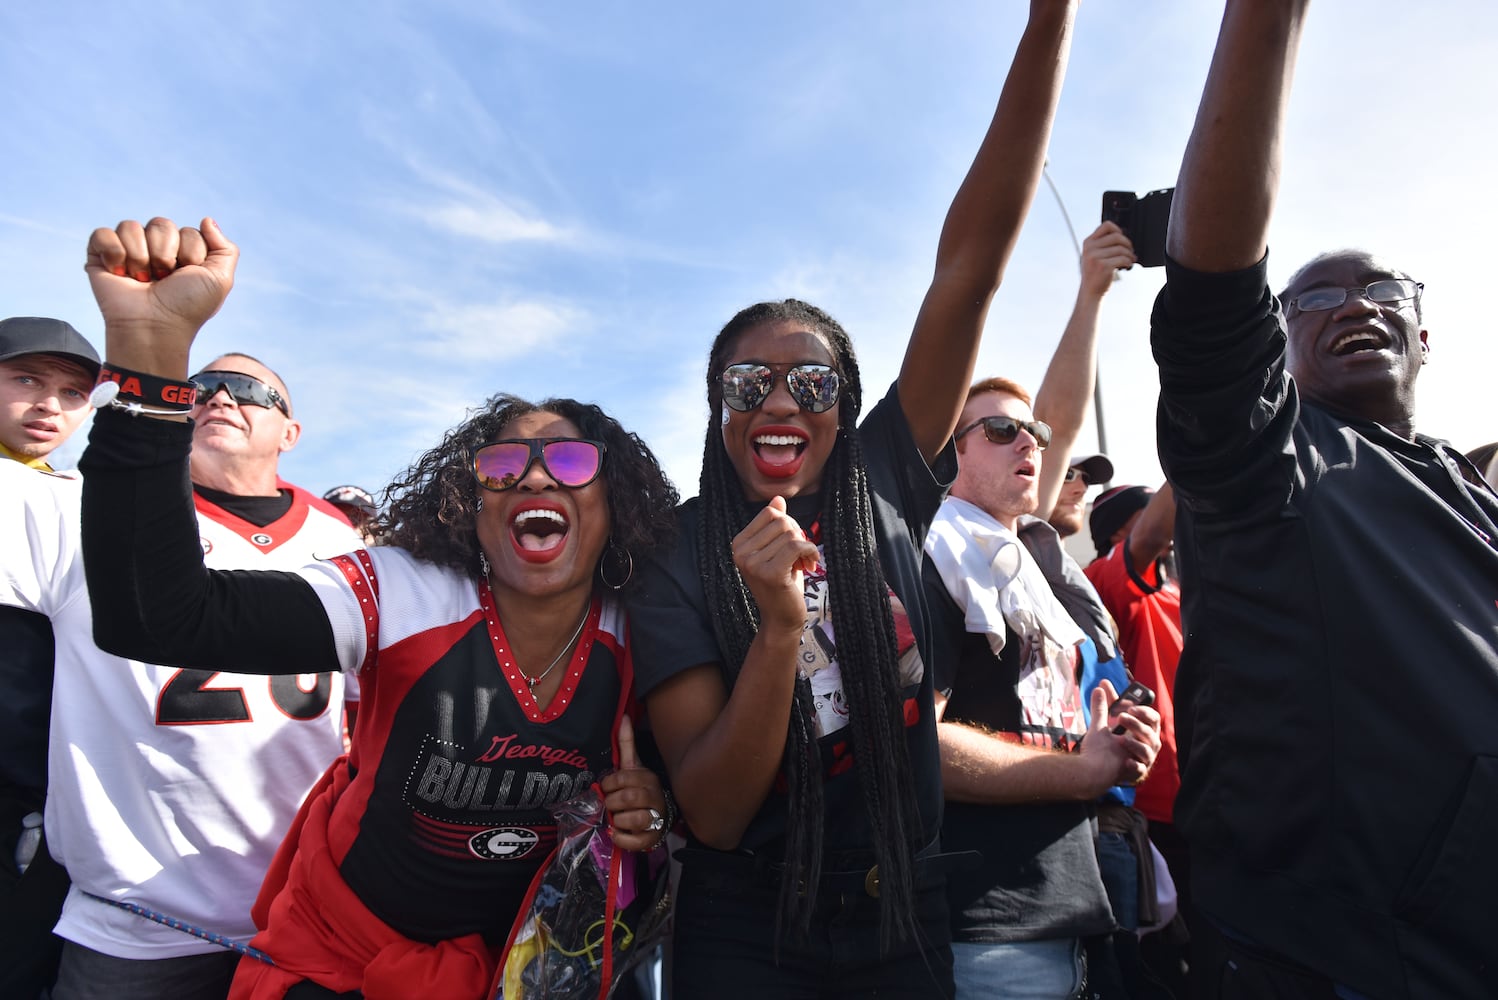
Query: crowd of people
point(853, 721)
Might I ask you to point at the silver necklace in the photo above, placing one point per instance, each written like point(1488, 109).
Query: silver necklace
point(533, 681)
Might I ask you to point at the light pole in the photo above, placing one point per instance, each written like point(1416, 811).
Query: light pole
point(1097, 382)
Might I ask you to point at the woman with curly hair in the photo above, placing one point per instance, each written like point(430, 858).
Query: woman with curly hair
point(487, 636)
point(781, 641)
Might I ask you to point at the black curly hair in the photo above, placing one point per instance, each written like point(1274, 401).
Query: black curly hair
point(867, 652)
point(430, 509)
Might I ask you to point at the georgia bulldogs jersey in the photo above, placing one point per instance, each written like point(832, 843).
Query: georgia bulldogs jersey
point(454, 764)
point(171, 788)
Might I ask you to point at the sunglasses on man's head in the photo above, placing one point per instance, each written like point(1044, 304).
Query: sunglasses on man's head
point(246, 390)
point(814, 387)
point(570, 462)
point(1003, 430)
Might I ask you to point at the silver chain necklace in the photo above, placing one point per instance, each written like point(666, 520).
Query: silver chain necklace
point(533, 681)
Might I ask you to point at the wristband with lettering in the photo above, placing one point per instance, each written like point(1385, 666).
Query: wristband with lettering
point(149, 392)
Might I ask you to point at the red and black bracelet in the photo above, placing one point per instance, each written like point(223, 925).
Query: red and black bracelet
point(139, 393)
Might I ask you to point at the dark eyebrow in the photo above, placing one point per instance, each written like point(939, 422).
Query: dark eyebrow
point(783, 364)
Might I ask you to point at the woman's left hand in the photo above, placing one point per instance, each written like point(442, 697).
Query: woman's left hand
point(638, 813)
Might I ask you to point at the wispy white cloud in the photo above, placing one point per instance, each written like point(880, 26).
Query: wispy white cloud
point(36, 225)
point(490, 219)
point(497, 331)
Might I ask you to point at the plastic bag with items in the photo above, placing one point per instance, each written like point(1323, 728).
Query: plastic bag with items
point(593, 912)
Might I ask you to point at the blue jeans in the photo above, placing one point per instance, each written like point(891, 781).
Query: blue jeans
point(1120, 870)
point(1017, 970)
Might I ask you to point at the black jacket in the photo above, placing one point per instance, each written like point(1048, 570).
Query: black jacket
point(1337, 700)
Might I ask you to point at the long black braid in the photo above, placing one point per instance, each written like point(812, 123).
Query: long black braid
point(867, 653)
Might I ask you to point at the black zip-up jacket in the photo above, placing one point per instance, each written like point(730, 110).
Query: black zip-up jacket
point(1337, 699)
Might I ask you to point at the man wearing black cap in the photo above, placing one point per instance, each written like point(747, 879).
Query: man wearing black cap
point(1082, 472)
point(47, 370)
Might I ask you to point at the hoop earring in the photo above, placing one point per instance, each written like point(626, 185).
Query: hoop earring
point(616, 552)
point(484, 565)
point(480, 504)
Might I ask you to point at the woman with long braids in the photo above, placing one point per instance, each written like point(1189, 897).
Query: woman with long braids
point(491, 647)
point(779, 644)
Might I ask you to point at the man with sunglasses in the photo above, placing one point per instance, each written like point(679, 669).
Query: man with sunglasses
point(1339, 681)
point(1025, 632)
point(171, 788)
point(1082, 473)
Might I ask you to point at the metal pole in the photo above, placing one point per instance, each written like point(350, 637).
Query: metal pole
point(1097, 382)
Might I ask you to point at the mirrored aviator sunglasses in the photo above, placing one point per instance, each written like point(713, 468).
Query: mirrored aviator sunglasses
point(815, 388)
point(245, 390)
point(570, 462)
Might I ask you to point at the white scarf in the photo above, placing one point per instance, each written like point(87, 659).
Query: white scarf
point(994, 579)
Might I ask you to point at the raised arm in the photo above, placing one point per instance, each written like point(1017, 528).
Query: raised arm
point(1065, 395)
point(1151, 535)
point(981, 229)
point(152, 597)
point(1219, 218)
point(156, 286)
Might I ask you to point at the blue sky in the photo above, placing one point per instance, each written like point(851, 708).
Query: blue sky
point(442, 201)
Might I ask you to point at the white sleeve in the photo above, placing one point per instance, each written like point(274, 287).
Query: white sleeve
point(343, 585)
point(41, 567)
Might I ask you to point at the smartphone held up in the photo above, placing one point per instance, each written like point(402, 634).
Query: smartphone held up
point(1143, 218)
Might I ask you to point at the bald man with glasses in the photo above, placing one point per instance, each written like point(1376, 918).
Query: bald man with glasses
point(1335, 697)
point(171, 788)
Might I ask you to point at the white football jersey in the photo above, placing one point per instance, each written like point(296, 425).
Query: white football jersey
point(171, 788)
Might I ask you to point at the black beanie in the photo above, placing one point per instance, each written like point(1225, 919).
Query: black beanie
point(1112, 511)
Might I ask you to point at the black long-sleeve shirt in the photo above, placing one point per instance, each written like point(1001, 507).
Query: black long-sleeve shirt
point(1337, 693)
point(153, 599)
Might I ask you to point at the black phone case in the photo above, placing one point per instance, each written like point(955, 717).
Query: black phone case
point(1144, 221)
